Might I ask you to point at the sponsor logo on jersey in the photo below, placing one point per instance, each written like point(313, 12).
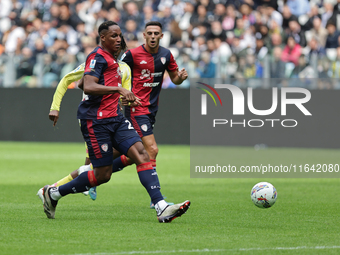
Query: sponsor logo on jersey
point(143, 62)
point(92, 63)
point(150, 84)
point(163, 60)
point(156, 74)
point(105, 147)
point(145, 73)
point(144, 127)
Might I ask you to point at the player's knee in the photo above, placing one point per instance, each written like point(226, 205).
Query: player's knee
point(153, 151)
point(138, 153)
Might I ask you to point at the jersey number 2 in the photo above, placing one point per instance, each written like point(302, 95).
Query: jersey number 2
point(130, 126)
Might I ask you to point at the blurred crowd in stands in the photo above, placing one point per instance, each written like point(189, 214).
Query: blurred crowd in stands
point(237, 41)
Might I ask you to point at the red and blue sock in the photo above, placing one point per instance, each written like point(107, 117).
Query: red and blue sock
point(149, 179)
point(82, 183)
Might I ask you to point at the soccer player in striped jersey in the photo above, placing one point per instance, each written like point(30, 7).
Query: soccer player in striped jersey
point(77, 75)
point(148, 64)
point(103, 127)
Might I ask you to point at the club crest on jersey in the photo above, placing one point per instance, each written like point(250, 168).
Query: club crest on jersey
point(163, 60)
point(105, 147)
point(144, 127)
point(92, 63)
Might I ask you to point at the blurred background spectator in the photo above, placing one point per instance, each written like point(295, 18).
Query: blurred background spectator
point(206, 68)
point(291, 51)
point(241, 41)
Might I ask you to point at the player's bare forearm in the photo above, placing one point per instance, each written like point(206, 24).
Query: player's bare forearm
point(91, 87)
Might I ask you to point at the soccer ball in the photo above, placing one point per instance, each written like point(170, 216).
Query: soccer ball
point(263, 195)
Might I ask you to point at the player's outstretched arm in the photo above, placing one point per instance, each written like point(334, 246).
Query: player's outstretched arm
point(178, 76)
point(61, 89)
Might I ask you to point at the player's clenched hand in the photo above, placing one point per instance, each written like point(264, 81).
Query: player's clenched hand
point(182, 74)
point(54, 116)
point(128, 98)
point(129, 103)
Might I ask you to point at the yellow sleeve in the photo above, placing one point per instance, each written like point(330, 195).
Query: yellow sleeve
point(126, 75)
point(61, 89)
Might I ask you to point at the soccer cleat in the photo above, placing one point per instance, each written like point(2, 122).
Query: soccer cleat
point(93, 193)
point(49, 203)
point(152, 206)
point(171, 212)
point(40, 194)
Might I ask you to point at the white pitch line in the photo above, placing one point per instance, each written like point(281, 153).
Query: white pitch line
point(216, 250)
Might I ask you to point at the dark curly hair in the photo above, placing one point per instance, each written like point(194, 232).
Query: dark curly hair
point(105, 26)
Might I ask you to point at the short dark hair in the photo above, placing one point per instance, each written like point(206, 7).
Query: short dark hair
point(330, 22)
point(105, 26)
point(154, 23)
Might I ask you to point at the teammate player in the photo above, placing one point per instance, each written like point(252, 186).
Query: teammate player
point(76, 75)
point(103, 127)
point(148, 63)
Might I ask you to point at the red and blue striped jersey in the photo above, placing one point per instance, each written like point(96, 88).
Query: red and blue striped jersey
point(101, 64)
point(147, 77)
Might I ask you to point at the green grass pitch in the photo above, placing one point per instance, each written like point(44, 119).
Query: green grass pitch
point(221, 220)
